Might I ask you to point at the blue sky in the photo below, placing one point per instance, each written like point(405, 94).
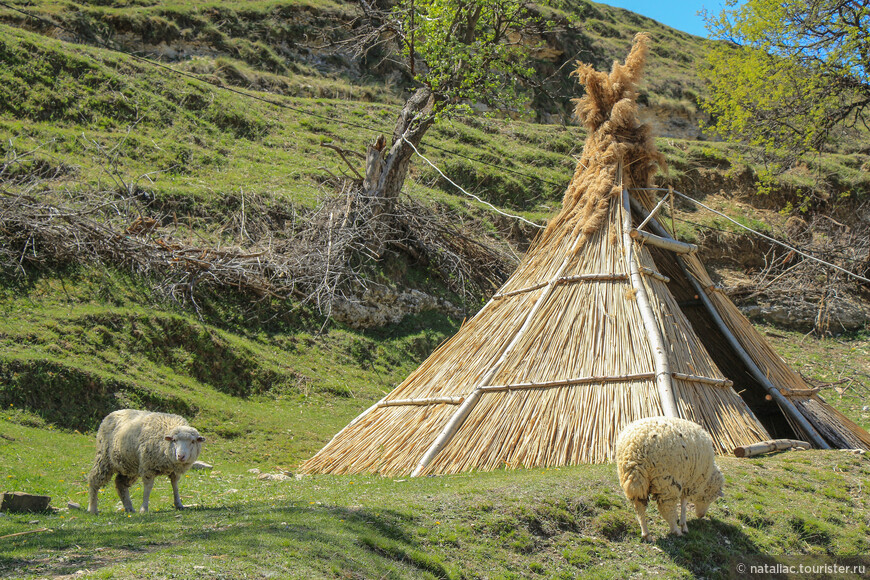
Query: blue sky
point(679, 14)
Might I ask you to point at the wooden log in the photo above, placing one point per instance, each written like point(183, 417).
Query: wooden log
point(769, 447)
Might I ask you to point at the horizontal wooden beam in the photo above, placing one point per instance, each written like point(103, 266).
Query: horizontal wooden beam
point(606, 379)
point(570, 382)
point(664, 243)
point(425, 401)
point(703, 380)
point(598, 277)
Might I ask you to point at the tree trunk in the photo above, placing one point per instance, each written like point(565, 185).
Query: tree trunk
point(386, 170)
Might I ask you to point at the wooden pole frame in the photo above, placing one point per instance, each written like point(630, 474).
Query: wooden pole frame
point(786, 405)
point(465, 408)
point(664, 384)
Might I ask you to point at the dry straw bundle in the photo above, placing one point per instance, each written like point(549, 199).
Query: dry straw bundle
point(584, 337)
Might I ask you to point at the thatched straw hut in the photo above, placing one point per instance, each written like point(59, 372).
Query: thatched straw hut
point(600, 325)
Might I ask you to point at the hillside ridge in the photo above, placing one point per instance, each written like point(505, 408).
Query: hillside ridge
point(134, 188)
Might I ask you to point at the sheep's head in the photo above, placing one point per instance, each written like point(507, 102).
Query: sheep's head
point(185, 443)
point(711, 491)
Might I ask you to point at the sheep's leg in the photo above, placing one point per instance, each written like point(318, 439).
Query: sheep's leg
point(122, 484)
point(173, 477)
point(668, 509)
point(93, 494)
point(147, 485)
point(640, 508)
point(683, 526)
point(99, 476)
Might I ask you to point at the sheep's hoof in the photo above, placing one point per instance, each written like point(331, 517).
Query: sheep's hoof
point(647, 538)
point(685, 529)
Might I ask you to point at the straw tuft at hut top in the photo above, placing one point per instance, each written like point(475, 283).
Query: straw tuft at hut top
point(602, 323)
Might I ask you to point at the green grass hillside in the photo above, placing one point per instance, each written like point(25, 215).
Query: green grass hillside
point(558, 523)
point(118, 172)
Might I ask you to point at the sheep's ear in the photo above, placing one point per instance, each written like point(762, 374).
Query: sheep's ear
point(168, 438)
point(200, 439)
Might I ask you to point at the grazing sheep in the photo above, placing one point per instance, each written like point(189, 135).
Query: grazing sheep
point(142, 444)
point(670, 460)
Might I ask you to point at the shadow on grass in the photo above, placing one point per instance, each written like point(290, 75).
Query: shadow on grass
point(709, 549)
point(295, 540)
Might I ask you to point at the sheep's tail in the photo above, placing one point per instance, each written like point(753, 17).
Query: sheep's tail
point(635, 483)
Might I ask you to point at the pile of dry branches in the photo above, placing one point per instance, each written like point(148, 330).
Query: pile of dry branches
point(318, 257)
point(796, 282)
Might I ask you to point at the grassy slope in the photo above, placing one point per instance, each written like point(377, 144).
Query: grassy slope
point(265, 388)
point(556, 523)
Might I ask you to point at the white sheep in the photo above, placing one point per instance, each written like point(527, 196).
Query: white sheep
point(142, 444)
point(670, 460)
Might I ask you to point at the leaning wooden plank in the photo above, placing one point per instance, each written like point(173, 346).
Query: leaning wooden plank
point(665, 243)
point(769, 447)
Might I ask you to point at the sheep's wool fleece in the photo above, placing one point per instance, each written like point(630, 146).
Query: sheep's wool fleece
point(664, 447)
point(135, 442)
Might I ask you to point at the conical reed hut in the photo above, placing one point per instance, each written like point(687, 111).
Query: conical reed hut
point(603, 323)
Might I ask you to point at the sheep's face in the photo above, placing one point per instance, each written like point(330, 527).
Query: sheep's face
point(711, 491)
point(185, 444)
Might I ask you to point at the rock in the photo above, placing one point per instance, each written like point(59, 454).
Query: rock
point(381, 306)
point(845, 314)
point(73, 505)
point(273, 477)
point(24, 502)
point(201, 465)
point(255, 471)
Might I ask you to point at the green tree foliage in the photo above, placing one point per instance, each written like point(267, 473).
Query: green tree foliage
point(791, 76)
point(466, 52)
point(458, 54)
